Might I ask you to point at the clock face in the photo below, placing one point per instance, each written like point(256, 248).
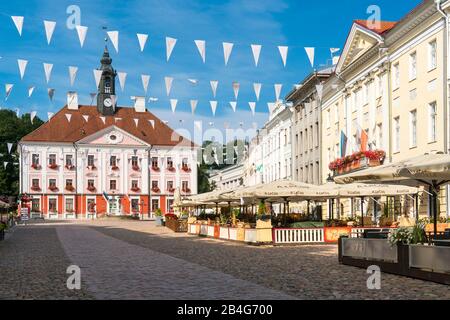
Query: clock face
point(107, 102)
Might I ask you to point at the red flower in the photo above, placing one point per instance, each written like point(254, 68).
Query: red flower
point(135, 168)
point(53, 166)
point(156, 189)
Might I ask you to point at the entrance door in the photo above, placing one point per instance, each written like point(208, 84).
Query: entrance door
point(114, 208)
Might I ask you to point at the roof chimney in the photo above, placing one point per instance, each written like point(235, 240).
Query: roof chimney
point(139, 104)
point(72, 100)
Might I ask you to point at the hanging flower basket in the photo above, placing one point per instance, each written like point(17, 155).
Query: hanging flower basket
point(115, 168)
point(53, 166)
point(186, 190)
point(70, 188)
point(91, 188)
point(54, 189)
point(135, 168)
point(171, 190)
point(135, 189)
point(156, 190)
point(35, 188)
point(92, 167)
point(155, 169)
point(36, 166)
point(70, 167)
point(186, 169)
point(171, 169)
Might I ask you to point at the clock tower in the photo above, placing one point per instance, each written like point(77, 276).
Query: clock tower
point(107, 86)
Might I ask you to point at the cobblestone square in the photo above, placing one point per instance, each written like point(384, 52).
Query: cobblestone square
point(138, 260)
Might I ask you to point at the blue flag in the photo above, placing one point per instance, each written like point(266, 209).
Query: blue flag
point(343, 144)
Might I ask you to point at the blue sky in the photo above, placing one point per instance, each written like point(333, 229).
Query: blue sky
point(295, 23)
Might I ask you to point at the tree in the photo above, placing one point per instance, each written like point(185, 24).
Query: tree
point(12, 129)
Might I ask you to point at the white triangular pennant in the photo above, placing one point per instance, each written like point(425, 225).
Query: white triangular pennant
point(214, 84)
point(22, 67)
point(236, 89)
point(17, 112)
point(49, 115)
point(32, 116)
point(114, 36)
point(173, 104)
point(170, 44)
point(30, 91)
point(201, 46)
point(114, 99)
point(257, 89)
point(233, 105)
point(283, 52)
point(86, 117)
point(117, 119)
point(277, 87)
point(51, 93)
point(49, 29)
point(92, 95)
point(335, 60)
point(97, 77)
point(198, 124)
point(81, 31)
point(103, 120)
point(319, 89)
point(168, 81)
point(334, 50)
point(271, 106)
point(136, 122)
point(68, 116)
point(310, 53)
point(227, 48)
point(252, 107)
point(72, 74)
point(152, 122)
point(193, 105)
point(10, 145)
point(256, 50)
point(213, 107)
point(145, 80)
point(122, 79)
point(5, 164)
point(142, 38)
point(48, 67)
point(8, 89)
point(18, 22)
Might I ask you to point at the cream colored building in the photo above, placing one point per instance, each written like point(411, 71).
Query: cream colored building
point(391, 81)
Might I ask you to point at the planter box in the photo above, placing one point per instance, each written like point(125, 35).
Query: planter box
point(210, 231)
point(433, 258)
point(159, 220)
point(223, 233)
point(233, 233)
point(369, 249)
point(240, 236)
point(250, 235)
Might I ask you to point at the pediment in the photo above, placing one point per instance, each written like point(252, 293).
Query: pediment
point(359, 41)
point(113, 136)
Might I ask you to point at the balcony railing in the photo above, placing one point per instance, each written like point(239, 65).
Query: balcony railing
point(357, 161)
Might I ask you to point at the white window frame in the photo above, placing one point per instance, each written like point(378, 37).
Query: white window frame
point(65, 206)
point(413, 128)
point(412, 66)
point(48, 207)
point(432, 55)
point(396, 76)
point(397, 132)
point(432, 122)
point(88, 214)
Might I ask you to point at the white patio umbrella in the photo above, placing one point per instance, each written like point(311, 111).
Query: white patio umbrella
point(432, 170)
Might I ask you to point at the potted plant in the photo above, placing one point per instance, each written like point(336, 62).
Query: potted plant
point(3, 227)
point(158, 217)
point(53, 166)
point(135, 168)
point(408, 235)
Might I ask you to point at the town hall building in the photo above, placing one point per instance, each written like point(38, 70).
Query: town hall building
point(92, 161)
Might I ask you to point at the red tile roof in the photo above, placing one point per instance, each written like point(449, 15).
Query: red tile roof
point(59, 129)
point(380, 28)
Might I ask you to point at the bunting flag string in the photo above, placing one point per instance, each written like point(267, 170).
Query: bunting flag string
point(170, 44)
point(18, 22)
point(277, 87)
point(136, 121)
point(201, 46)
point(214, 84)
point(193, 105)
point(10, 145)
point(30, 91)
point(48, 67)
point(283, 52)
point(49, 29)
point(236, 89)
point(81, 31)
point(142, 38)
point(256, 50)
point(22, 67)
point(319, 89)
point(103, 119)
point(252, 107)
point(114, 36)
point(8, 89)
point(145, 81)
point(257, 89)
point(168, 81)
point(122, 79)
point(32, 116)
point(213, 107)
point(68, 116)
point(72, 75)
point(310, 52)
point(227, 48)
point(152, 122)
point(233, 105)
point(173, 104)
point(97, 77)
point(86, 117)
point(49, 115)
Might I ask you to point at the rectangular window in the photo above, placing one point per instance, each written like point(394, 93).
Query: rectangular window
point(432, 55)
point(134, 161)
point(155, 204)
point(413, 66)
point(52, 159)
point(52, 183)
point(380, 136)
point(90, 160)
point(35, 205)
point(154, 162)
point(35, 159)
point(69, 160)
point(170, 185)
point(396, 81)
point(134, 184)
point(185, 186)
point(69, 205)
point(52, 205)
point(432, 122)
point(91, 184)
point(112, 184)
point(328, 118)
point(413, 129)
point(135, 205)
point(170, 205)
point(69, 184)
point(396, 134)
point(90, 205)
point(35, 183)
point(113, 161)
point(169, 162)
